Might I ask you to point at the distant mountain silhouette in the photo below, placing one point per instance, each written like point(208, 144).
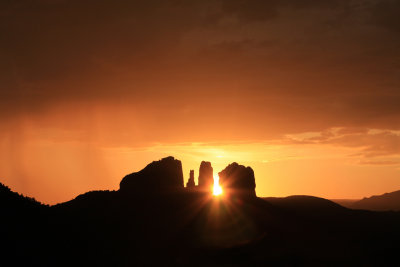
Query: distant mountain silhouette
point(175, 226)
point(309, 207)
point(385, 202)
point(345, 202)
point(305, 203)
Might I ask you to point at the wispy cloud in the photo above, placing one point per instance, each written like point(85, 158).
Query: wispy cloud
point(372, 143)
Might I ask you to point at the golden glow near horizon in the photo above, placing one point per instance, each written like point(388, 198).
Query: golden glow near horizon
point(217, 189)
point(281, 167)
point(280, 170)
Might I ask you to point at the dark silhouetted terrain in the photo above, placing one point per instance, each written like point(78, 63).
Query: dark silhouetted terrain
point(345, 202)
point(385, 202)
point(181, 227)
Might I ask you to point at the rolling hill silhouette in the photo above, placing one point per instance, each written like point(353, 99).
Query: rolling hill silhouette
point(174, 225)
point(306, 204)
point(385, 202)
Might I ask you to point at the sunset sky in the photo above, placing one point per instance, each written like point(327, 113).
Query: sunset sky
point(307, 93)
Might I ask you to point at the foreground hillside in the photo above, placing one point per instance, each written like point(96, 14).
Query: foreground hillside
point(182, 227)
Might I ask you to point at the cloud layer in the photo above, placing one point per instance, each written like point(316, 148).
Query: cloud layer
point(332, 64)
point(132, 74)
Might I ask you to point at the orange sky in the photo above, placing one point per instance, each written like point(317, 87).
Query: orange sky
point(307, 94)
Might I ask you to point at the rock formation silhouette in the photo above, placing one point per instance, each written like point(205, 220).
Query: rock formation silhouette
point(190, 183)
point(164, 175)
point(206, 179)
point(238, 179)
point(191, 228)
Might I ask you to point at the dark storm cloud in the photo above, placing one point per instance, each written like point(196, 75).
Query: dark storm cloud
point(49, 40)
point(386, 13)
point(259, 10)
point(46, 40)
point(309, 64)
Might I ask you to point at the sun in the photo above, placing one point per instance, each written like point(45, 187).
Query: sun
point(217, 189)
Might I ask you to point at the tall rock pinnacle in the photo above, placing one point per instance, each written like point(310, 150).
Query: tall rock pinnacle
point(206, 179)
point(190, 183)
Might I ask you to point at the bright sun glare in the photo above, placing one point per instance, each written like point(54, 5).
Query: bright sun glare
point(217, 189)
